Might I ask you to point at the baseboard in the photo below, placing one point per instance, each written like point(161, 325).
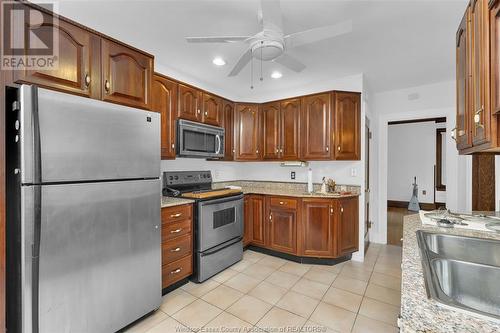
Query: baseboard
point(299, 259)
point(404, 204)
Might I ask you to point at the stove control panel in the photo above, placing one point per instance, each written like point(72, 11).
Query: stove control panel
point(176, 178)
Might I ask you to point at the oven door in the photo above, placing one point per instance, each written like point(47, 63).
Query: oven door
point(199, 140)
point(218, 221)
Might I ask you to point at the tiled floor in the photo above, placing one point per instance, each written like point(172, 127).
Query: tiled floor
point(267, 293)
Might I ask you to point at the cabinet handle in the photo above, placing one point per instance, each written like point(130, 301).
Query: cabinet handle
point(327, 148)
point(338, 148)
point(176, 231)
point(176, 271)
point(282, 203)
point(270, 217)
point(341, 209)
point(477, 116)
point(176, 215)
point(177, 249)
point(277, 150)
point(173, 146)
point(331, 210)
point(281, 150)
point(257, 151)
point(206, 113)
point(107, 86)
point(87, 80)
point(199, 111)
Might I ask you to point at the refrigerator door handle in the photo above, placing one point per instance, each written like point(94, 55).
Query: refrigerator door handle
point(29, 278)
point(31, 164)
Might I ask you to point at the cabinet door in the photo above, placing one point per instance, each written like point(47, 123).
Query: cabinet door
point(247, 220)
point(347, 126)
point(317, 228)
point(462, 134)
point(189, 105)
point(283, 230)
point(316, 127)
point(290, 117)
point(271, 131)
point(480, 70)
point(78, 69)
point(495, 57)
point(256, 217)
point(347, 225)
point(228, 114)
point(165, 102)
point(212, 110)
point(127, 75)
point(248, 132)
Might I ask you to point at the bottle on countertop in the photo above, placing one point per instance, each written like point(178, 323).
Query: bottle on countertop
point(323, 186)
point(310, 188)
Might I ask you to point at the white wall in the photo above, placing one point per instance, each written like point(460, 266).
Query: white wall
point(411, 153)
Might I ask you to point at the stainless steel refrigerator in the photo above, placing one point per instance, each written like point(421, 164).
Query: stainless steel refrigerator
point(83, 213)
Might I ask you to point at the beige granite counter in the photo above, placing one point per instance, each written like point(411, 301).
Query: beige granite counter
point(420, 314)
point(170, 201)
point(289, 189)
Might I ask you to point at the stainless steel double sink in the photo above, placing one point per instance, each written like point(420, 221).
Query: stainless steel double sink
point(462, 272)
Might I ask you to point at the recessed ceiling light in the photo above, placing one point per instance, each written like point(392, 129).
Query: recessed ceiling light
point(218, 61)
point(276, 75)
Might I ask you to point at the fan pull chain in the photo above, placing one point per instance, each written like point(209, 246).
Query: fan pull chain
point(251, 71)
point(261, 78)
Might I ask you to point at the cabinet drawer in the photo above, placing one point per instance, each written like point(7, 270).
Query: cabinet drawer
point(283, 203)
point(176, 249)
point(170, 230)
point(176, 271)
point(176, 213)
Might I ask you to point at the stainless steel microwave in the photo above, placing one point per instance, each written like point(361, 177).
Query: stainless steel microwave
point(199, 140)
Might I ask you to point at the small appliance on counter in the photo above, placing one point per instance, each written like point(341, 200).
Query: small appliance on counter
point(218, 220)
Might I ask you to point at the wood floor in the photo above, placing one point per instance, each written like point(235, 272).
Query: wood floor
point(395, 224)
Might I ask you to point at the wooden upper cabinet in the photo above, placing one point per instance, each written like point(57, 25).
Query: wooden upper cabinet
point(317, 228)
point(127, 75)
point(189, 105)
point(347, 225)
point(271, 130)
point(255, 215)
point(290, 121)
point(78, 69)
point(248, 132)
point(347, 125)
point(463, 77)
point(212, 110)
point(228, 115)
point(495, 57)
point(164, 101)
point(316, 127)
point(283, 230)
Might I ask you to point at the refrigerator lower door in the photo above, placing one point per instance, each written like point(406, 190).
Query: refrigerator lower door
point(99, 255)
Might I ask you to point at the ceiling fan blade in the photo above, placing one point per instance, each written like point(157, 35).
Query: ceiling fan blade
point(270, 15)
point(290, 62)
point(242, 62)
point(217, 39)
point(317, 34)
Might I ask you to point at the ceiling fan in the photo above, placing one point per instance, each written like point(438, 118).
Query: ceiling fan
point(272, 44)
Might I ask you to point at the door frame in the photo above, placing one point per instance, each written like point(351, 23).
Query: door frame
point(368, 137)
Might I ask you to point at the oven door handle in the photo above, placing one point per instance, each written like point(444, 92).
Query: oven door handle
point(217, 249)
point(218, 143)
point(222, 200)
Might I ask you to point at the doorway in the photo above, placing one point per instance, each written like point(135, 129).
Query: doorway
point(368, 136)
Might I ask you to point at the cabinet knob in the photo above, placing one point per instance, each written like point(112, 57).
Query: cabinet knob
point(338, 148)
point(331, 210)
point(206, 113)
point(257, 151)
point(327, 148)
point(341, 209)
point(173, 146)
point(107, 86)
point(87, 80)
point(281, 150)
point(277, 150)
point(270, 217)
point(199, 111)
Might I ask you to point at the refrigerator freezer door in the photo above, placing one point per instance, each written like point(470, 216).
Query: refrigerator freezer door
point(82, 139)
point(100, 255)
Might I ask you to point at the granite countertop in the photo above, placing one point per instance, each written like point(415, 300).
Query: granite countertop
point(420, 314)
point(170, 201)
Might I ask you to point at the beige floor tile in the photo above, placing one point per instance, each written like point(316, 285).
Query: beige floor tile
point(310, 288)
point(356, 273)
point(387, 270)
point(222, 296)
point(259, 271)
point(226, 322)
point(282, 279)
point(389, 260)
point(334, 317)
point(357, 265)
point(383, 294)
point(321, 276)
point(343, 299)
point(252, 256)
point(299, 304)
point(249, 309)
point(311, 326)
point(379, 311)
point(225, 275)
point(197, 314)
point(147, 323)
point(277, 319)
point(268, 292)
point(200, 289)
point(352, 285)
point(176, 300)
point(330, 268)
point(367, 325)
point(241, 265)
point(272, 262)
point(295, 268)
point(386, 281)
point(168, 325)
point(242, 282)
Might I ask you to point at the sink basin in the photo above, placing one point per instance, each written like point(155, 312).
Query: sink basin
point(462, 272)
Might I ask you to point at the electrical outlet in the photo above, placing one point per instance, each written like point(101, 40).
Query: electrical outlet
point(424, 192)
point(292, 175)
point(354, 172)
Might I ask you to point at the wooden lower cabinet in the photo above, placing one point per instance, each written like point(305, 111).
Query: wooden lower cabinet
point(247, 218)
point(177, 243)
point(282, 226)
point(254, 214)
point(347, 213)
point(317, 234)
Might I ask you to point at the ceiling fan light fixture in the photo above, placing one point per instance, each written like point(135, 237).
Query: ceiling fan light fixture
point(218, 61)
point(276, 75)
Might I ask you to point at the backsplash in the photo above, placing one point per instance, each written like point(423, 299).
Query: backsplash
point(293, 187)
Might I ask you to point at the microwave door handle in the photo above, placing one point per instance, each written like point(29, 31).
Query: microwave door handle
point(218, 144)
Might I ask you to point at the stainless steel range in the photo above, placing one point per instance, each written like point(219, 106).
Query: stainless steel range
point(218, 220)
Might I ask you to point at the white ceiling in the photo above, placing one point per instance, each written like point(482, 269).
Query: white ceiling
point(395, 44)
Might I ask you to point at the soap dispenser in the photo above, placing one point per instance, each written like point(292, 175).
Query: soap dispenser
point(323, 186)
